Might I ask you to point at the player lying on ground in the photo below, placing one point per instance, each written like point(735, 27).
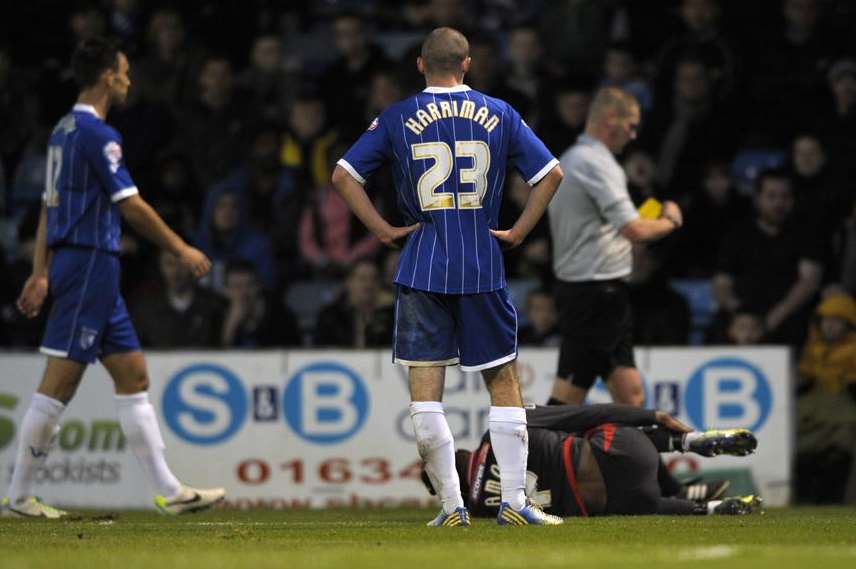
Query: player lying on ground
point(601, 460)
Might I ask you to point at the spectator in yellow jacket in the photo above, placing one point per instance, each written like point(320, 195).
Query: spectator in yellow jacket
point(826, 429)
point(828, 361)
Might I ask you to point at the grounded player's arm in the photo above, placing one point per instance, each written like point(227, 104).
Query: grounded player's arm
point(358, 201)
point(577, 418)
point(641, 229)
point(150, 225)
point(808, 281)
point(536, 205)
point(36, 288)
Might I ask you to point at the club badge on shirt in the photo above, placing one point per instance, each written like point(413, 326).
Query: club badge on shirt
point(87, 337)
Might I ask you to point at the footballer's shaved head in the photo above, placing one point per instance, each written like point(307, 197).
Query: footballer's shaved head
point(444, 50)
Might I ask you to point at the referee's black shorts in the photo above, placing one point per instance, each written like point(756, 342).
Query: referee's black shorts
point(596, 324)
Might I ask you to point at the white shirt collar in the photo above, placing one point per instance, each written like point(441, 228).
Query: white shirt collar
point(590, 140)
point(81, 108)
point(455, 89)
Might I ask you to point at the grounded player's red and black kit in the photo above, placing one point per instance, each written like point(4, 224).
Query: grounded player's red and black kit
point(625, 456)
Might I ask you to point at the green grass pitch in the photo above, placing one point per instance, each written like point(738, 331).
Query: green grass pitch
point(392, 539)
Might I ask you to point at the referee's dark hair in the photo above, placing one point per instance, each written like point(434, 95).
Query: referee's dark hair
point(92, 58)
point(771, 174)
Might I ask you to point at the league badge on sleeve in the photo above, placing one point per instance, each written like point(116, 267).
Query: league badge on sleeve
point(374, 124)
point(113, 154)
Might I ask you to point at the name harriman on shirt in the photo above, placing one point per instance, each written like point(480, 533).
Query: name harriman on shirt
point(453, 251)
point(449, 109)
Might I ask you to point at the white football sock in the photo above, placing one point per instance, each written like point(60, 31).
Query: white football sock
point(510, 441)
point(437, 448)
point(38, 433)
point(140, 425)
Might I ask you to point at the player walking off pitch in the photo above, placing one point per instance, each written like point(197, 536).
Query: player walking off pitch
point(76, 260)
point(449, 146)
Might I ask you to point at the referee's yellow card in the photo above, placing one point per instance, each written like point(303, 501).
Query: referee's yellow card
point(650, 209)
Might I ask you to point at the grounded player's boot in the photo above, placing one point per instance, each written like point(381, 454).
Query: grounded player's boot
point(190, 500)
point(736, 506)
point(530, 514)
point(459, 518)
point(32, 507)
point(735, 442)
point(701, 491)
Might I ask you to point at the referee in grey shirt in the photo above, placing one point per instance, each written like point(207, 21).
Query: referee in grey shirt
point(593, 223)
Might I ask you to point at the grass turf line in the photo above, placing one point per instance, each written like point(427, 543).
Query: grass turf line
point(383, 539)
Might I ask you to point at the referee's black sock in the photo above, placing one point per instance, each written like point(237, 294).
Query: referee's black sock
point(554, 401)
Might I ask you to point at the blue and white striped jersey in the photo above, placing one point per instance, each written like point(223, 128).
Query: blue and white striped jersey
point(86, 178)
point(450, 148)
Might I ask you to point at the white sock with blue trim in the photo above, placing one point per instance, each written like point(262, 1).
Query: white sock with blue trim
point(142, 433)
point(39, 429)
point(510, 441)
point(437, 448)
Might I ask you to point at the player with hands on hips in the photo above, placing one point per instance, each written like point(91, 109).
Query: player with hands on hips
point(449, 146)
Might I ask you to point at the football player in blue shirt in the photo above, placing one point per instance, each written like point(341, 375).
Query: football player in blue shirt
point(450, 146)
point(76, 261)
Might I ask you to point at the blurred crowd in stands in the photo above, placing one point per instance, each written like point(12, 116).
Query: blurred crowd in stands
point(238, 112)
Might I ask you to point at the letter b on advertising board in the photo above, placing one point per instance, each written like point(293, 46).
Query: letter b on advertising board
point(325, 403)
point(728, 393)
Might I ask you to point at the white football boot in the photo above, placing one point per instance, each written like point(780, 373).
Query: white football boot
point(32, 507)
point(190, 500)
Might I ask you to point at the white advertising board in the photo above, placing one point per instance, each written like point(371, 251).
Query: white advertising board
point(331, 428)
point(90, 465)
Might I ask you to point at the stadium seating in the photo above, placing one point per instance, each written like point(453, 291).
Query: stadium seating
point(751, 161)
point(699, 295)
point(307, 298)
